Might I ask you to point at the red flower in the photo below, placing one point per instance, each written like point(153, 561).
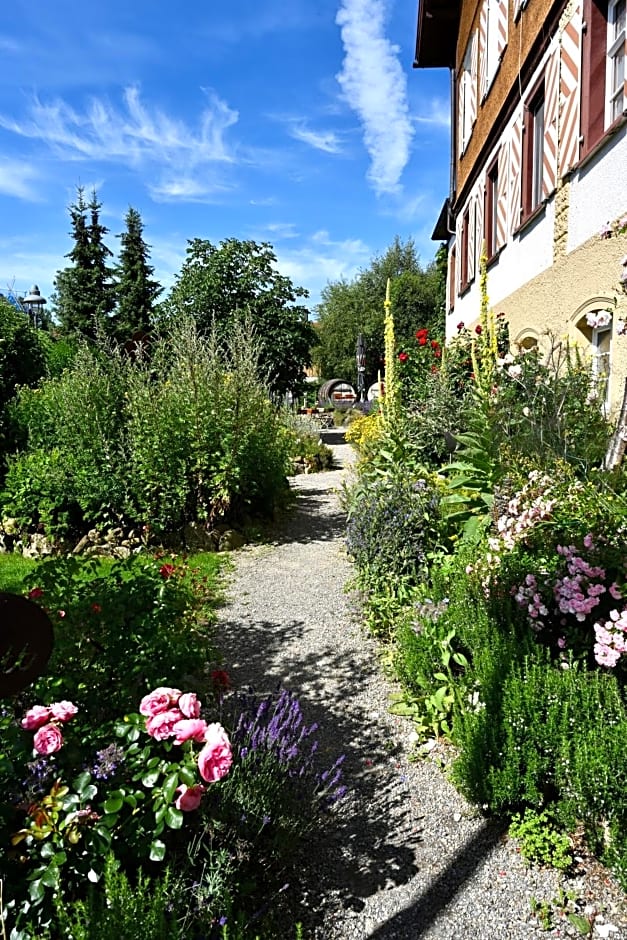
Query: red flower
point(434, 368)
point(221, 679)
point(421, 333)
point(97, 609)
point(403, 356)
point(435, 344)
point(34, 593)
point(460, 325)
point(422, 341)
point(166, 571)
point(478, 329)
point(437, 353)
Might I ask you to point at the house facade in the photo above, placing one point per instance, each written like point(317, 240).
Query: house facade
point(538, 168)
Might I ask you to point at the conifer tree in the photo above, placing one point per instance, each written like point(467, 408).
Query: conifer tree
point(136, 290)
point(84, 293)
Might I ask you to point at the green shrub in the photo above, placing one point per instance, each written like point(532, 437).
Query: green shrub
point(392, 526)
point(541, 842)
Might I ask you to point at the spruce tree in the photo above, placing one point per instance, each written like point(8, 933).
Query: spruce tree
point(84, 293)
point(136, 290)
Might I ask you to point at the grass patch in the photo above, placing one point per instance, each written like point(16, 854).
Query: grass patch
point(14, 569)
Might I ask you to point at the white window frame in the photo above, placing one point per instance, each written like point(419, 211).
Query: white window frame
point(615, 72)
point(465, 90)
point(602, 362)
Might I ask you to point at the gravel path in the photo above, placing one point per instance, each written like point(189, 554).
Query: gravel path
point(404, 857)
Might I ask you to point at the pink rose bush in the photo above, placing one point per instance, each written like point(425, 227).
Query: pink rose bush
point(215, 759)
point(44, 720)
point(174, 715)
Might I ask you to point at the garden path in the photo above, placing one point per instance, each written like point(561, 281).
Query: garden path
point(404, 856)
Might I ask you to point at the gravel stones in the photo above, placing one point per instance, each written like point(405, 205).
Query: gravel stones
point(404, 856)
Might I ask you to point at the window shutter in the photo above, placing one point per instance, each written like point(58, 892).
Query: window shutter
point(461, 144)
point(472, 239)
point(501, 26)
point(474, 78)
point(551, 103)
point(501, 203)
point(594, 61)
point(479, 207)
point(570, 67)
point(515, 171)
point(483, 49)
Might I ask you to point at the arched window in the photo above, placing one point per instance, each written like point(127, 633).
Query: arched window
point(596, 327)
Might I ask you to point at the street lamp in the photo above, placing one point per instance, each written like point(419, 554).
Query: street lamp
point(360, 355)
point(33, 302)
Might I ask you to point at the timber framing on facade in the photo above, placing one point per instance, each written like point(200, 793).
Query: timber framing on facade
point(539, 167)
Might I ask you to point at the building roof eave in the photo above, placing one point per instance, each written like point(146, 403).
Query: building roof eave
point(436, 37)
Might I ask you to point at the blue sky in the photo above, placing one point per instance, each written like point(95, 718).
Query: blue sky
point(300, 123)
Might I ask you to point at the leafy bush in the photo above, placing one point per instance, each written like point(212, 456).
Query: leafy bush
point(189, 435)
point(127, 625)
point(541, 842)
point(392, 526)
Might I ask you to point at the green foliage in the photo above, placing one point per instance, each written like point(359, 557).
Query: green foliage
point(237, 281)
point(350, 308)
point(120, 909)
point(305, 444)
point(189, 436)
point(126, 625)
point(393, 525)
point(541, 842)
point(13, 571)
point(431, 667)
point(136, 290)
point(22, 362)
point(84, 291)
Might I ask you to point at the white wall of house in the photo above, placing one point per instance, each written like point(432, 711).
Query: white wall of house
point(598, 191)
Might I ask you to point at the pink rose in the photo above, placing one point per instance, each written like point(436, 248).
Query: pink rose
point(157, 701)
point(35, 717)
point(215, 759)
point(161, 726)
point(48, 740)
point(189, 798)
point(189, 705)
point(189, 729)
point(63, 711)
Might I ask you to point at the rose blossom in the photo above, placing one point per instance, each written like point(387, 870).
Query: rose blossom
point(159, 700)
point(63, 711)
point(161, 726)
point(189, 729)
point(190, 706)
point(35, 717)
point(215, 759)
point(189, 798)
point(48, 740)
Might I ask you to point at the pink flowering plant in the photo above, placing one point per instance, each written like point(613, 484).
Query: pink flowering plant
point(558, 549)
point(135, 797)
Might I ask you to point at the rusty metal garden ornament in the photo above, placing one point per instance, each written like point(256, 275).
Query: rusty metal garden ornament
point(26, 640)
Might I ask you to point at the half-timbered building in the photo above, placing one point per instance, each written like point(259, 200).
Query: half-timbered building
point(538, 167)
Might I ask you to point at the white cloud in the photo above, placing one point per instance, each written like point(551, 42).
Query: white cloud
point(17, 179)
point(326, 141)
point(439, 114)
point(137, 136)
point(375, 87)
point(320, 260)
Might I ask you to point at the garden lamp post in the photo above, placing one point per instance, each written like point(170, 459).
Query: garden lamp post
point(361, 368)
point(33, 304)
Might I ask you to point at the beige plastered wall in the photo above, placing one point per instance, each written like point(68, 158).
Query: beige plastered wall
point(557, 300)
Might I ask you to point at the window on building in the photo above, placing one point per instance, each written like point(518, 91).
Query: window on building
point(464, 266)
point(615, 60)
point(603, 68)
point(596, 326)
point(491, 208)
point(601, 344)
point(468, 94)
point(533, 152)
point(451, 278)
